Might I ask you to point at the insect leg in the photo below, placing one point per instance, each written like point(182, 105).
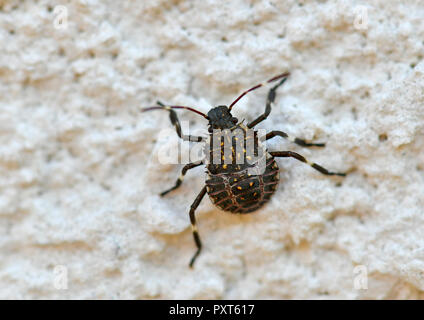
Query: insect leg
point(181, 177)
point(298, 141)
point(193, 225)
point(269, 102)
point(299, 157)
point(176, 123)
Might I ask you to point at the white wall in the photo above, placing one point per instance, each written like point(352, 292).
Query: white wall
point(79, 170)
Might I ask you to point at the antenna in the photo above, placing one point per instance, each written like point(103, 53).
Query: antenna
point(281, 76)
point(164, 107)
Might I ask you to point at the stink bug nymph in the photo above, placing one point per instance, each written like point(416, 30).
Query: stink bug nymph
point(231, 185)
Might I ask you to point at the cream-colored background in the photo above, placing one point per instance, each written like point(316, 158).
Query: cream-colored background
point(79, 170)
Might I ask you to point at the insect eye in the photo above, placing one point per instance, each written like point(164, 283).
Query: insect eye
point(234, 119)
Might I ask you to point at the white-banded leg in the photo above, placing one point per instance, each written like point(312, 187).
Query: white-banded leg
point(176, 123)
point(296, 140)
point(287, 154)
point(193, 225)
point(181, 177)
point(269, 102)
point(174, 119)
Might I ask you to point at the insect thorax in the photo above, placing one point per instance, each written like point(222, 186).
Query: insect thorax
point(234, 150)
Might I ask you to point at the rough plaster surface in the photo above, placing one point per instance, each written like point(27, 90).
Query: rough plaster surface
point(79, 169)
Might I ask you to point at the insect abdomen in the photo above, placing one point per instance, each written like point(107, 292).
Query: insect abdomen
point(239, 192)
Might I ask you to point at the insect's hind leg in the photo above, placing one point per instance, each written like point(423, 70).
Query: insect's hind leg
point(299, 157)
point(296, 140)
point(270, 100)
point(176, 123)
point(181, 177)
point(194, 227)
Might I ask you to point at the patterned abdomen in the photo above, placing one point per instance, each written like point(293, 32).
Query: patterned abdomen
point(239, 192)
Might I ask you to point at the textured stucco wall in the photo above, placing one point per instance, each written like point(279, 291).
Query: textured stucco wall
point(79, 170)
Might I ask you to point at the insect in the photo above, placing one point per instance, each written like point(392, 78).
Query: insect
point(236, 182)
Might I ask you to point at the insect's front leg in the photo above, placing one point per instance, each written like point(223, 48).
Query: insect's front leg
point(176, 123)
point(269, 102)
